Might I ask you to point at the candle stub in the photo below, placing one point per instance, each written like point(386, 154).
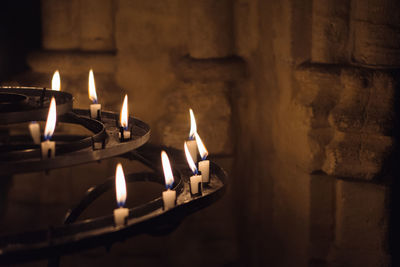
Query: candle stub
point(192, 146)
point(121, 216)
point(48, 149)
point(95, 111)
point(204, 168)
point(34, 129)
point(196, 186)
point(124, 135)
point(169, 199)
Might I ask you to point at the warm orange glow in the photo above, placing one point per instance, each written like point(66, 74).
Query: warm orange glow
point(169, 177)
point(56, 81)
point(120, 185)
point(189, 159)
point(92, 88)
point(51, 120)
point(124, 113)
point(193, 126)
point(202, 148)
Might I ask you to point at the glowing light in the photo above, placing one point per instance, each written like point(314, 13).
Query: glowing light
point(168, 175)
point(92, 88)
point(51, 120)
point(189, 159)
point(202, 148)
point(193, 126)
point(124, 113)
point(56, 81)
point(120, 185)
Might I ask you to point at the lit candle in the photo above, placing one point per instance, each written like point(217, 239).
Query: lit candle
point(204, 164)
point(34, 129)
point(56, 81)
point(192, 146)
point(196, 186)
point(124, 133)
point(95, 108)
point(121, 214)
point(169, 196)
point(49, 147)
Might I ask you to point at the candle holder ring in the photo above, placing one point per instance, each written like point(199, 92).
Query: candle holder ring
point(24, 156)
point(22, 104)
point(75, 235)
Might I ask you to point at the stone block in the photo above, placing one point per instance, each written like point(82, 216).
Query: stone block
point(210, 28)
point(317, 91)
point(366, 103)
point(330, 31)
point(376, 45)
point(357, 155)
point(72, 62)
point(60, 24)
point(361, 225)
point(97, 25)
point(210, 70)
point(376, 32)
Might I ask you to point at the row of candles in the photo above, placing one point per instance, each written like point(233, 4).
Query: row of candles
point(192, 147)
point(48, 147)
point(201, 175)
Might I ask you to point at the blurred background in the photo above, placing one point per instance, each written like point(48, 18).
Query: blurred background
point(296, 99)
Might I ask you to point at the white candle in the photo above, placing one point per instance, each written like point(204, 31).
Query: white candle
point(126, 135)
point(34, 129)
point(95, 111)
point(168, 196)
point(195, 181)
point(121, 214)
point(169, 199)
point(196, 185)
point(49, 147)
point(204, 168)
point(95, 108)
point(204, 165)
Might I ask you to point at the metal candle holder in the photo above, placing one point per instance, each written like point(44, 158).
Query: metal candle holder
point(20, 155)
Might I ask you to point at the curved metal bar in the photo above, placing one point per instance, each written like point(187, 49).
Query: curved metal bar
point(95, 192)
point(36, 108)
point(113, 147)
point(148, 218)
point(29, 150)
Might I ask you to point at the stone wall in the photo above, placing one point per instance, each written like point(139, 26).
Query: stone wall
point(295, 98)
point(321, 101)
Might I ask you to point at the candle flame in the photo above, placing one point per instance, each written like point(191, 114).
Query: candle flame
point(56, 81)
point(193, 126)
point(51, 120)
point(169, 177)
point(202, 148)
point(124, 113)
point(92, 88)
point(190, 161)
point(120, 185)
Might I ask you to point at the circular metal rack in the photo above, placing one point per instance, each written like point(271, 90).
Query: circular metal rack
point(19, 155)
